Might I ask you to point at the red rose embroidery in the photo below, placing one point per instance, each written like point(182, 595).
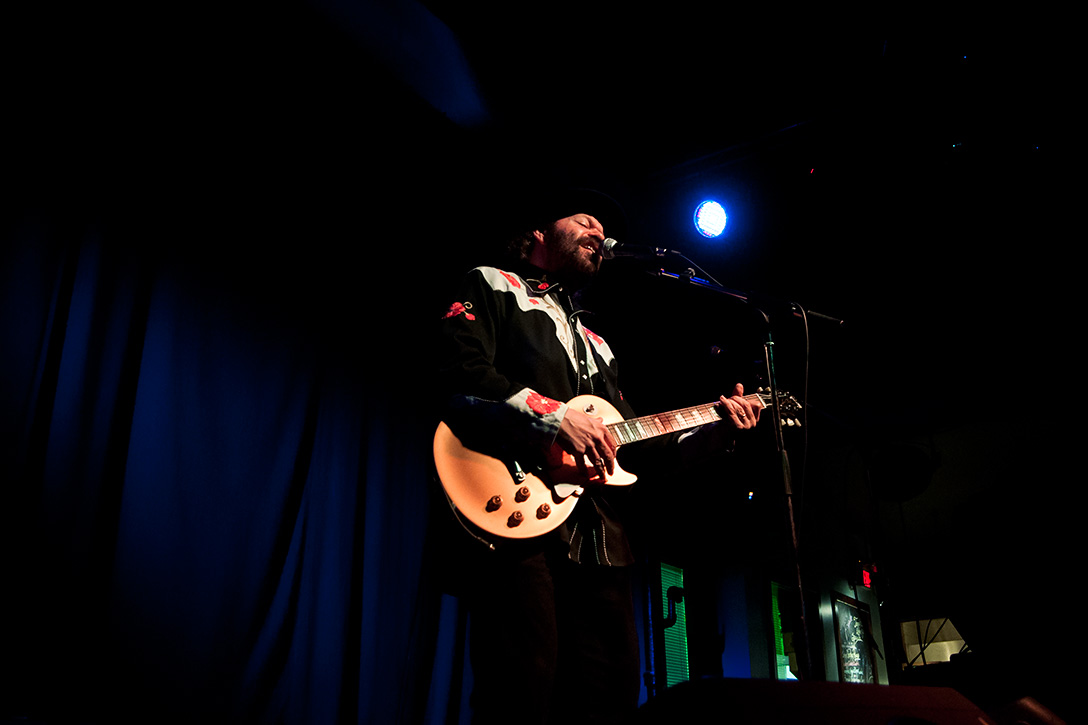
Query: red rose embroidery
point(594, 336)
point(458, 308)
point(542, 405)
point(511, 279)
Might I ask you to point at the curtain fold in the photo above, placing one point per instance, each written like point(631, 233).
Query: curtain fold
point(210, 514)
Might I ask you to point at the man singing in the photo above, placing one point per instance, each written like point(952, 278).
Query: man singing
point(552, 629)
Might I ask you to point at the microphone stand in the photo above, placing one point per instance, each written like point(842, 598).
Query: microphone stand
point(776, 410)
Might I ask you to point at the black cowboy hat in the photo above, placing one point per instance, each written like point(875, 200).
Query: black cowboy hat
point(538, 208)
point(567, 202)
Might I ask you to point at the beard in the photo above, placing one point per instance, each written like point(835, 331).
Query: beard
point(575, 268)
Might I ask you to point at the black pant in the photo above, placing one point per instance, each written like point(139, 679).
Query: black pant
point(553, 641)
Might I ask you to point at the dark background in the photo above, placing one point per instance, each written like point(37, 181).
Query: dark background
point(227, 229)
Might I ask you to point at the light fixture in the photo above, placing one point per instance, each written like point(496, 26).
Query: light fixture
point(710, 219)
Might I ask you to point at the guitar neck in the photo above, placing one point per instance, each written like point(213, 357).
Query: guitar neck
point(651, 426)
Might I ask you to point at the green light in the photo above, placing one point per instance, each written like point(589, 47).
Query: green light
point(676, 637)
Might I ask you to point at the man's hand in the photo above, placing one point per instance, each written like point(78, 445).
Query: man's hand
point(586, 437)
point(737, 414)
point(743, 414)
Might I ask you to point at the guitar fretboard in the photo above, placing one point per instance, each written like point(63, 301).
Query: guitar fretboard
point(651, 426)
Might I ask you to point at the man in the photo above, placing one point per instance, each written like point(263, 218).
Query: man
point(552, 630)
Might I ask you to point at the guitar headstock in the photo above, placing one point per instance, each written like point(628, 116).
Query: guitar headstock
point(789, 406)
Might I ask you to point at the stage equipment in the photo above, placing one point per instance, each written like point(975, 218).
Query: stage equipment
point(710, 219)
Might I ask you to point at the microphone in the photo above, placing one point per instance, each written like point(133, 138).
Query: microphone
point(611, 249)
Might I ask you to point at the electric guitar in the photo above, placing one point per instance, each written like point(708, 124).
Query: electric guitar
point(504, 499)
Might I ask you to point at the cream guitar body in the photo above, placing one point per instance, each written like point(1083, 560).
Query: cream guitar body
point(504, 498)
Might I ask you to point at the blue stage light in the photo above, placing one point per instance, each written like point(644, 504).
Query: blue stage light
point(710, 219)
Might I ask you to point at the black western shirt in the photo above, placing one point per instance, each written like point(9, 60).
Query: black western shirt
point(512, 351)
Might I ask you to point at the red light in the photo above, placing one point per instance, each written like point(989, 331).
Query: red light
point(866, 579)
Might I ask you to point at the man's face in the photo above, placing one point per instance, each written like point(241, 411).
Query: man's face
point(573, 246)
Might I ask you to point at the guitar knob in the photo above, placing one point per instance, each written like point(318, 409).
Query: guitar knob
point(494, 503)
point(522, 494)
point(515, 519)
point(543, 511)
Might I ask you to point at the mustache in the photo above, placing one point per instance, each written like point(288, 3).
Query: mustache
point(590, 241)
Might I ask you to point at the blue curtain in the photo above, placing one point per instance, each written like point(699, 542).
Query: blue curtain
point(215, 494)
